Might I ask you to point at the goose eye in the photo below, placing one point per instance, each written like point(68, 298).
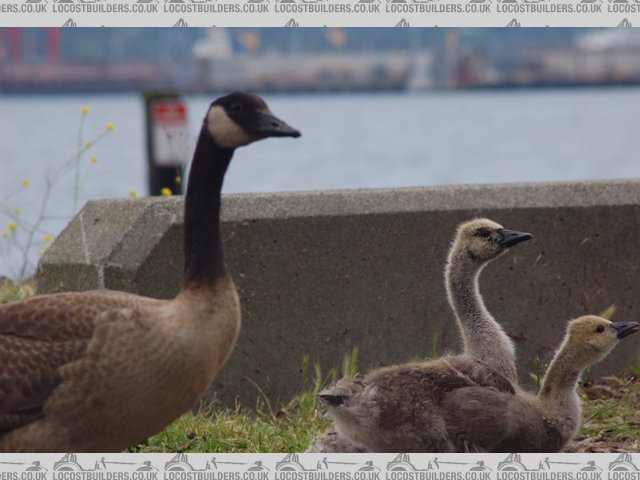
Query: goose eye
point(235, 107)
point(600, 329)
point(484, 233)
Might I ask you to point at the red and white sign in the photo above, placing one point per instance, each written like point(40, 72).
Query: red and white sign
point(169, 133)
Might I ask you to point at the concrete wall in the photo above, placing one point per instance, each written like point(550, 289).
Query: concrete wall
point(320, 273)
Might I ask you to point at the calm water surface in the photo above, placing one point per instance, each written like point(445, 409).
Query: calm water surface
point(349, 141)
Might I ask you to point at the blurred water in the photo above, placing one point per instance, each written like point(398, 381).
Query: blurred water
point(349, 141)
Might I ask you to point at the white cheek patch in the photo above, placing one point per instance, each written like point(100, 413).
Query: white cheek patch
point(226, 132)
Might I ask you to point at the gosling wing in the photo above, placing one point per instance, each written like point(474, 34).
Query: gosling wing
point(483, 419)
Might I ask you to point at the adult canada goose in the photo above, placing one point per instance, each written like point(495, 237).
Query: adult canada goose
point(447, 406)
point(476, 243)
point(104, 370)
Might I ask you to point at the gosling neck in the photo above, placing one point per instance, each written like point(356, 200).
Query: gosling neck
point(561, 380)
point(558, 397)
point(203, 258)
point(482, 335)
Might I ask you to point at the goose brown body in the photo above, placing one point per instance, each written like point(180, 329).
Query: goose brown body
point(458, 404)
point(103, 370)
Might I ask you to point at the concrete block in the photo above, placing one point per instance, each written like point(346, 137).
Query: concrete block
point(322, 272)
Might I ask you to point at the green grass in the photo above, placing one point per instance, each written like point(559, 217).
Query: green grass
point(290, 428)
point(610, 417)
point(611, 414)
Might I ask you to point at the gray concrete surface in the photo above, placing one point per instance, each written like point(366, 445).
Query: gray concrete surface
point(320, 273)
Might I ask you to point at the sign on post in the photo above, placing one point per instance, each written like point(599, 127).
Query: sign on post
point(167, 141)
point(169, 132)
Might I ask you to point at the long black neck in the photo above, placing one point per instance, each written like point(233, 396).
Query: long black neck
point(203, 259)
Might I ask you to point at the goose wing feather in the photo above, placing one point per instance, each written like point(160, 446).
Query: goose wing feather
point(85, 377)
point(40, 335)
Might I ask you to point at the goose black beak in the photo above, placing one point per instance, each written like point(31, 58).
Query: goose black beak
point(271, 126)
point(513, 237)
point(625, 328)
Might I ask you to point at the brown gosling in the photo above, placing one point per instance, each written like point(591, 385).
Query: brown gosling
point(103, 370)
point(444, 406)
point(478, 242)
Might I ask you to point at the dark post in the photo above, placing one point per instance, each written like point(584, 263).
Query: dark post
point(166, 121)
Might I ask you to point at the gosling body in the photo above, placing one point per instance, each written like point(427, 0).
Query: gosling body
point(451, 405)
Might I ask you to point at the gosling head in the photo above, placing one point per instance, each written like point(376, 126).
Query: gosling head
point(345, 400)
point(239, 118)
point(483, 239)
point(591, 338)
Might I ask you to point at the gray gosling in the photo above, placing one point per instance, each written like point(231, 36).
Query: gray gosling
point(459, 405)
point(103, 370)
point(478, 242)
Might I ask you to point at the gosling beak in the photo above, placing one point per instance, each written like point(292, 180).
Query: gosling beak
point(271, 126)
point(625, 328)
point(512, 237)
point(331, 400)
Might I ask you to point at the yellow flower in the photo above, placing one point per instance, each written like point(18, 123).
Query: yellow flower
point(40, 253)
point(17, 211)
point(110, 126)
point(5, 234)
point(133, 194)
point(166, 192)
point(93, 159)
point(85, 110)
point(88, 144)
point(178, 179)
point(26, 182)
point(12, 226)
point(47, 237)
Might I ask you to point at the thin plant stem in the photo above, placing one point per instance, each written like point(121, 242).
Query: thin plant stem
point(20, 225)
point(76, 180)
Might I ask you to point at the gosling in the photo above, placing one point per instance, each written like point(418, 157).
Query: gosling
point(459, 405)
point(478, 242)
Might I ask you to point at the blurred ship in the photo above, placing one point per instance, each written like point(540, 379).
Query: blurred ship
point(215, 65)
point(220, 68)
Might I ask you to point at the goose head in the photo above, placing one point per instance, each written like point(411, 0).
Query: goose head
point(591, 338)
point(239, 119)
point(483, 239)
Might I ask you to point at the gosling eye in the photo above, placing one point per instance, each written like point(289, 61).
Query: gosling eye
point(600, 329)
point(483, 232)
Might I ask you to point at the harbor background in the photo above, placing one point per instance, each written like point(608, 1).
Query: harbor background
point(197, 60)
point(423, 106)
